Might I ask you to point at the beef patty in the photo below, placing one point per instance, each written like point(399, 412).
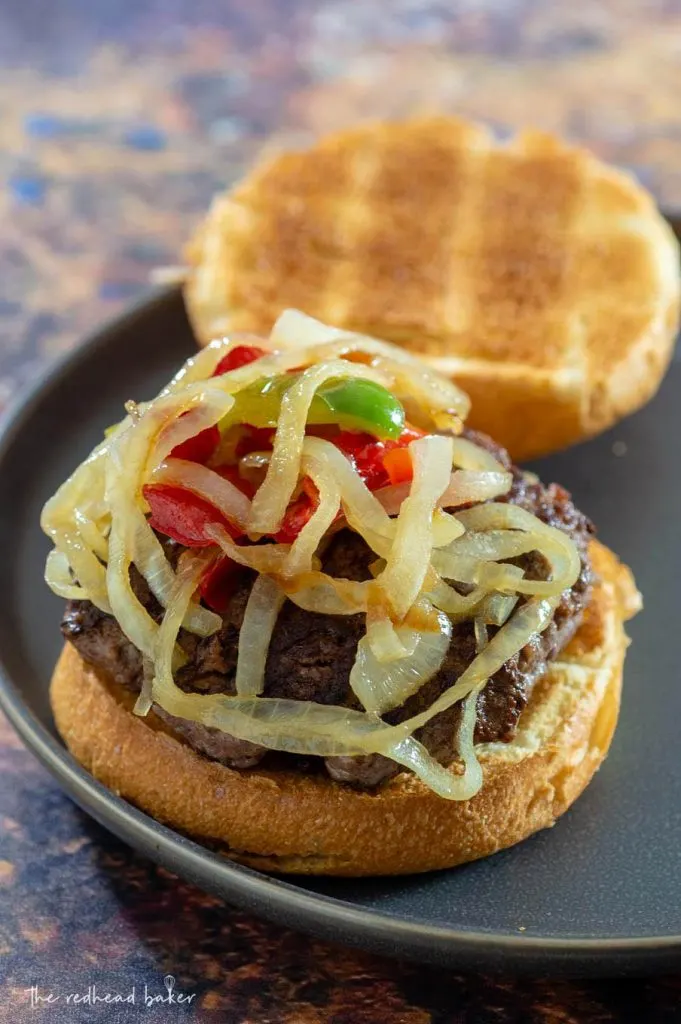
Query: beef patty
point(311, 655)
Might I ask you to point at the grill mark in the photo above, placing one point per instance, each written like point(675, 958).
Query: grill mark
point(296, 234)
point(403, 254)
point(520, 273)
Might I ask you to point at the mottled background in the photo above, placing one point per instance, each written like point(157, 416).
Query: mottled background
point(118, 120)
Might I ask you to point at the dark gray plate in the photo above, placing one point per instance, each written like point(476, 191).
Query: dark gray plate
point(601, 892)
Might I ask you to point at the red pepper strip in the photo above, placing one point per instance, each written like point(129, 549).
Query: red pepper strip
point(397, 459)
point(232, 474)
point(254, 439)
point(368, 454)
point(200, 447)
point(218, 585)
point(184, 516)
point(298, 514)
point(241, 355)
point(310, 489)
point(398, 465)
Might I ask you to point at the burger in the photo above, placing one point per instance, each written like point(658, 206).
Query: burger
point(316, 623)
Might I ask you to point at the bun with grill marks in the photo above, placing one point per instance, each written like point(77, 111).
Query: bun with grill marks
point(545, 282)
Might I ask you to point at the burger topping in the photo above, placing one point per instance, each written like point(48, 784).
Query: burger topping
point(351, 404)
point(311, 655)
point(439, 557)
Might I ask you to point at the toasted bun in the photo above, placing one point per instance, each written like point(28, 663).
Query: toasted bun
point(287, 821)
point(545, 282)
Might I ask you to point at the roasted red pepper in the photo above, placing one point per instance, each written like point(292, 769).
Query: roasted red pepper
point(218, 585)
point(398, 465)
point(367, 455)
point(298, 514)
point(370, 455)
point(232, 474)
point(240, 355)
point(184, 516)
point(198, 448)
point(254, 439)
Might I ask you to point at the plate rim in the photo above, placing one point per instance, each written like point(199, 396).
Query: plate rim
point(274, 897)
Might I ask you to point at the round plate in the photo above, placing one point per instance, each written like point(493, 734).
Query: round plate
point(600, 892)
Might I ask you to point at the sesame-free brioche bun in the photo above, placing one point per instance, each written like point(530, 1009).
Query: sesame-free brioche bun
point(287, 821)
point(545, 282)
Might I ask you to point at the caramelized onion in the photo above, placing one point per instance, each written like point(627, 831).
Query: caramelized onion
point(446, 528)
point(385, 642)
point(471, 780)
point(467, 486)
point(150, 560)
point(471, 572)
point(132, 617)
point(362, 508)
point(310, 537)
point(481, 635)
point(556, 546)
point(144, 700)
point(191, 569)
point(202, 415)
point(443, 781)
point(268, 558)
point(202, 366)
point(295, 330)
point(59, 579)
point(456, 605)
point(86, 567)
point(82, 489)
point(409, 557)
point(496, 608)
point(260, 617)
point(90, 533)
point(301, 727)
point(381, 686)
point(316, 592)
point(532, 618)
point(469, 455)
point(200, 480)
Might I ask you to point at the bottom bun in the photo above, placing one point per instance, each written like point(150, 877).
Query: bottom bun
point(287, 821)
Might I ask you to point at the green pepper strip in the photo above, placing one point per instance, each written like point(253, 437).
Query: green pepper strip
point(354, 404)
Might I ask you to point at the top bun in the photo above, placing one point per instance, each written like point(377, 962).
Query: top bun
point(545, 282)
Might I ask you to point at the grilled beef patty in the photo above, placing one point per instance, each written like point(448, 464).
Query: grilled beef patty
point(311, 655)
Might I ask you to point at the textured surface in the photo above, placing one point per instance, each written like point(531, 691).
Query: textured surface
point(117, 122)
point(432, 234)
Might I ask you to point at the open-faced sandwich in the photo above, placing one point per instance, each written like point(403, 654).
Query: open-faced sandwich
point(317, 623)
